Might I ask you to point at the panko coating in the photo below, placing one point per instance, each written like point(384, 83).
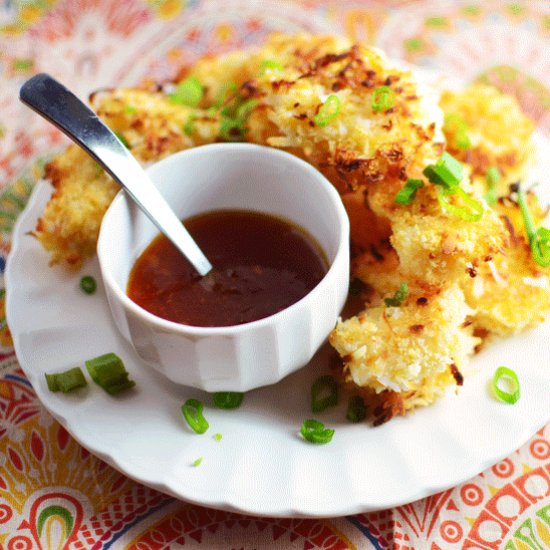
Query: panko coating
point(496, 131)
point(398, 348)
point(511, 292)
point(465, 276)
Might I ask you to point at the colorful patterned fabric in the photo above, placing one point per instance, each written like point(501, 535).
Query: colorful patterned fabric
point(54, 493)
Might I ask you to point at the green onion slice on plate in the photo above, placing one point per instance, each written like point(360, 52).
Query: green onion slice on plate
point(315, 432)
point(512, 393)
point(324, 393)
point(66, 381)
point(88, 284)
point(357, 411)
point(108, 371)
point(192, 412)
point(227, 399)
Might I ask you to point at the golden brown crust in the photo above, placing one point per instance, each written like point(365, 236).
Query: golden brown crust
point(467, 280)
point(499, 134)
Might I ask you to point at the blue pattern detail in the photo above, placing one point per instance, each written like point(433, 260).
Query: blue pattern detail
point(129, 526)
point(20, 379)
point(365, 530)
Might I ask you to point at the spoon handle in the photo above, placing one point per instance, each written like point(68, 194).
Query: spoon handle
point(62, 108)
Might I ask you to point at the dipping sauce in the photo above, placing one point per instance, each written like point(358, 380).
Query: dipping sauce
point(262, 264)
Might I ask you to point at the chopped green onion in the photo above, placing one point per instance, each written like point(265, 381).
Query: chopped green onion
point(233, 118)
point(188, 92)
point(539, 239)
point(383, 98)
point(315, 432)
point(542, 247)
point(192, 412)
point(472, 211)
point(356, 287)
point(357, 411)
point(22, 64)
point(130, 109)
point(525, 212)
point(189, 125)
point(504, 374)
point(328, 111)
point(108, 371)
point(408, 193)
point(122, 139)
point(271, 65)
point(227, 399)
point(455, 123)
point(447, 172)
point(230, 87)
point(244, 108)
point(88, 284)
point(462, 140)
point(51, 380)
point(197, 462)
point(399, 296)
point(229, 110)
point(324, 393)
point(217, 437)
point(492, 177)
point(71, 379)
point(66, 381)
point(113, 389)
point(231, 129)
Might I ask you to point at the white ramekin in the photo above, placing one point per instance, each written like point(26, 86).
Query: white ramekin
point(238, 176)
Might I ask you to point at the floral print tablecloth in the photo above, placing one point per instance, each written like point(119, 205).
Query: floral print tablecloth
point(54, 493)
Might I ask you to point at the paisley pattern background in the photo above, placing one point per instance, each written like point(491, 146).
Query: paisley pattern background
point(53, 493)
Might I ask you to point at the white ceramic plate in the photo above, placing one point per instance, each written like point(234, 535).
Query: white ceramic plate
point(261, 466)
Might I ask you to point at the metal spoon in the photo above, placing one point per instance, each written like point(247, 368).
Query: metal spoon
point(61, 107)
